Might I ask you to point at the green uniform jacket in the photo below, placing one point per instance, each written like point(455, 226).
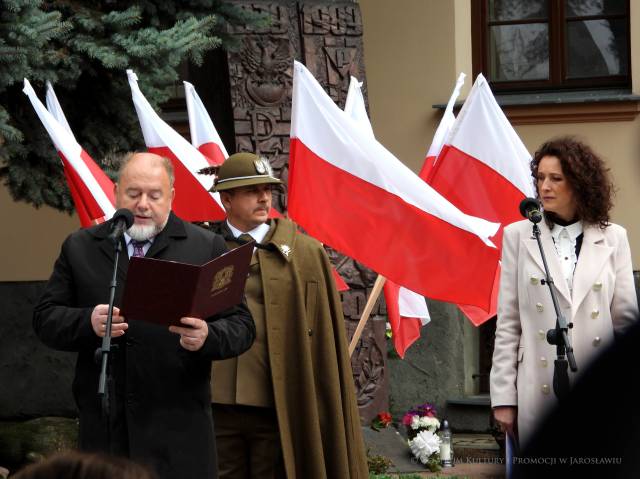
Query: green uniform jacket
point(313, 385)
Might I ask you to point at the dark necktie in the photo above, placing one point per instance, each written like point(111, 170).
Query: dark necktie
point(245, 238)
point(138, 247)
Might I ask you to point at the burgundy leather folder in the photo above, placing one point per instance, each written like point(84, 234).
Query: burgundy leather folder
point(162, 292)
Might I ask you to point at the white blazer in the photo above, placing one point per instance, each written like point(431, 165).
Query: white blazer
point(603, 301)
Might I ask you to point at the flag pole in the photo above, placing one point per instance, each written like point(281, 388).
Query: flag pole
point(366, 312)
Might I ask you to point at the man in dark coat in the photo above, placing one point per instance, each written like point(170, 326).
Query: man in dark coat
point(287, 407)
point(160, 398)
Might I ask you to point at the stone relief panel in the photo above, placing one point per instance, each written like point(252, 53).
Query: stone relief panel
point(327, 38)
point(332, 45)
point(261, 81)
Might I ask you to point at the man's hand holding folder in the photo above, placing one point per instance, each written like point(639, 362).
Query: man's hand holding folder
point(193, 334)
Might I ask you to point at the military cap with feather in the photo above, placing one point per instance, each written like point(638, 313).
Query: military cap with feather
point(244, 169)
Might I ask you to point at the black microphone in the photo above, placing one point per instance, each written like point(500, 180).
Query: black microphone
point(122, 221)
point(530, 209)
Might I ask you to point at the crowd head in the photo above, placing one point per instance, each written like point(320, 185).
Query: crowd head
point(83, 465)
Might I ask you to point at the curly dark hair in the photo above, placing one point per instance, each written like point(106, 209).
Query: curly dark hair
point(586, 173)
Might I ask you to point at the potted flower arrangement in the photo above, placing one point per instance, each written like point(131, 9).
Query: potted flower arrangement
point(421, 423)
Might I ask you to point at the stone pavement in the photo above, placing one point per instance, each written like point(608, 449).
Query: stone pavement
point(475, 455)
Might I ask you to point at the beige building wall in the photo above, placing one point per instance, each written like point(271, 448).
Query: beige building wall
point(30, 238)
point(414, 50)
point(410, 61)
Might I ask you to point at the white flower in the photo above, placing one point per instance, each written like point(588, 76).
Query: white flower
point(430, 423)
point(415, 422)
point(424, 444)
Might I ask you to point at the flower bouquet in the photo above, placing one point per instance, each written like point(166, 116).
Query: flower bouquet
point(421, 423)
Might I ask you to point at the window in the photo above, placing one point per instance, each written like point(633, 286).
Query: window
point(522, 45)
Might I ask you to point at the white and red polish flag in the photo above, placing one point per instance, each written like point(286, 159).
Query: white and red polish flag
point(349, 192)
point(193, 201)
point(53, 106)
point(204, 135)
point(484, 170)
point(91, 189)
point(88, 207)
point(476, 315)
point(407, 311)
point(442, 132)
point(355, 107)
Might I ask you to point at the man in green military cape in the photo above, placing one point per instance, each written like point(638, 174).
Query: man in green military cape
point(287, 407)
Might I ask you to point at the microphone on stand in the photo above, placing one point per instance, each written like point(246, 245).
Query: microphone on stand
point(558, 336)
point(122, 221)
point(530, 209)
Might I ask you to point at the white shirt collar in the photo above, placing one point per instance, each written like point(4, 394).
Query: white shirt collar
point(258, 233)
point(574, 230)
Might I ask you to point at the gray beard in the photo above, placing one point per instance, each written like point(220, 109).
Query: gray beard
point(144, 232)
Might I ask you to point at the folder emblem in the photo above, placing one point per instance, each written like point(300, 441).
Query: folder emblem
point(222, 278)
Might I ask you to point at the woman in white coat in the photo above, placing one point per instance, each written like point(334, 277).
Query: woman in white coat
point(590, 262)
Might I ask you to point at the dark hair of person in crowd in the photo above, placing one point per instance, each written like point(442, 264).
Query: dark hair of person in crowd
point(586, 173)
point(83, 465)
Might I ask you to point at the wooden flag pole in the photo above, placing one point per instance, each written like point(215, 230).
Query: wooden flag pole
point(366, 312)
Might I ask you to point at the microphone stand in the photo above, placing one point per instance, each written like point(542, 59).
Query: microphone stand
point(557, 335)
point(105, 381)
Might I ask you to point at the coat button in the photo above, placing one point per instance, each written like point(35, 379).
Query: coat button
point(539, 307)
point(597, 286)
point(310, 331)
point(596, 341)
point(595, 313)
point(541, 334)
point(545, 389)
point(534, 280)
point(543, 361)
